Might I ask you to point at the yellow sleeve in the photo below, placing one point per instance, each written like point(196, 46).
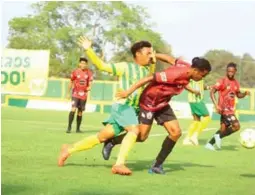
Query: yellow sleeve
point(117, 69)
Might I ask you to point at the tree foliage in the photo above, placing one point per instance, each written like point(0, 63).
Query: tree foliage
point(113, 27)
point(56, 25)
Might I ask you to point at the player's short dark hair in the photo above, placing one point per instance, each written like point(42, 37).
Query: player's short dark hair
point(139, 45)
point(201, 64)
point(83, 59)
point(232, 64)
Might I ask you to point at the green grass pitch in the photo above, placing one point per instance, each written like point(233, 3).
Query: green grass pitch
point(31, 140)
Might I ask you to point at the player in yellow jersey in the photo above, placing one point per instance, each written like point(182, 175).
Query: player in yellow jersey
point(198, 110)
point(123, 115)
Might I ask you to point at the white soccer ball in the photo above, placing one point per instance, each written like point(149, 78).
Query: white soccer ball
point(247, 138)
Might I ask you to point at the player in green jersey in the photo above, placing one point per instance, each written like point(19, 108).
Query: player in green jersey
point(198, 110)
point(123, 115)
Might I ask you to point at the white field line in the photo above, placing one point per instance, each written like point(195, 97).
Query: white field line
point(64, 124)
point(183, 132)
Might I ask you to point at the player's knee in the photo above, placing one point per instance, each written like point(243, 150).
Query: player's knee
point(79, 113)
point(73, 109)
point(101, 138)
point(236, 127)
point(176, 134)
point(207, 117)
point(134, 129)
point(142, 138)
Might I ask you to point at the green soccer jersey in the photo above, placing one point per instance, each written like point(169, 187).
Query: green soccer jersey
point(128, 74)
point(199, 86)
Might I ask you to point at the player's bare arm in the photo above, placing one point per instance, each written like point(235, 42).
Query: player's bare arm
point(125, 94)
point(69, 88)
point(85, 43)
point(207, 87)
point(212, 95)
point(165, 58)
point(242, 94)
point(89, 86)
point(190, 89)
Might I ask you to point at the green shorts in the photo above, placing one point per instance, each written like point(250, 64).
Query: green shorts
point(199, 108)
point(122, 115)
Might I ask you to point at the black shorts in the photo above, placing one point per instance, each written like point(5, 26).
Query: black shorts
point(161, 116)
point(79, 103)
point(228, 120)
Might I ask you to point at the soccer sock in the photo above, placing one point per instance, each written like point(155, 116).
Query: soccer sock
point(166, 149)
point(71, 116)
point(126, 145)
point(118, 139)
point(212, 141)
point(78, 120)
point(226, 133)
point(192, 128)
point(222, 134)
point(203, 124)
point(85, 144)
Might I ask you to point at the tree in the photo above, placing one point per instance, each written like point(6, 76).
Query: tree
point(56, 25)
point(246, 71)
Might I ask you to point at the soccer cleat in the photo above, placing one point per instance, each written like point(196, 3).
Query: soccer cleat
point(217, 140)
point(68, 130)
point(79, 131)
point(121, 170)
point(194, 140)
point(157, 170)
point(209, 147)
point(187, 142)
point(107, 149)
point(64, 154)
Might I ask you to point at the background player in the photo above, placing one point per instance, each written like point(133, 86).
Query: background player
point(198, 110)
point(80, 83)
point(228, 88)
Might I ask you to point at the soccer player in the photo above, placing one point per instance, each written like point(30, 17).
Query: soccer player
point(198, 110)
point(154, 103)
point(228, 88)
point(109, 144)
point(123, 115)
point(80, 83)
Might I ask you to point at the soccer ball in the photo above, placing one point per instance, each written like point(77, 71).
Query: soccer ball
point(247, 138)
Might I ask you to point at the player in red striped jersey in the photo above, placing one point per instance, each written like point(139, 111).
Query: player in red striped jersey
point(154, 103)
point(228, 88)
point(80, 83)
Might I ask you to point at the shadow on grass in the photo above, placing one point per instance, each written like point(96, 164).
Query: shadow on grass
point(20, 189)
point(203, 142)
point(142, 165)
point(86, 192)
point(83, 131)
point(13, 189)
point(230, 148)
point(168, 167)
point(248, 175)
